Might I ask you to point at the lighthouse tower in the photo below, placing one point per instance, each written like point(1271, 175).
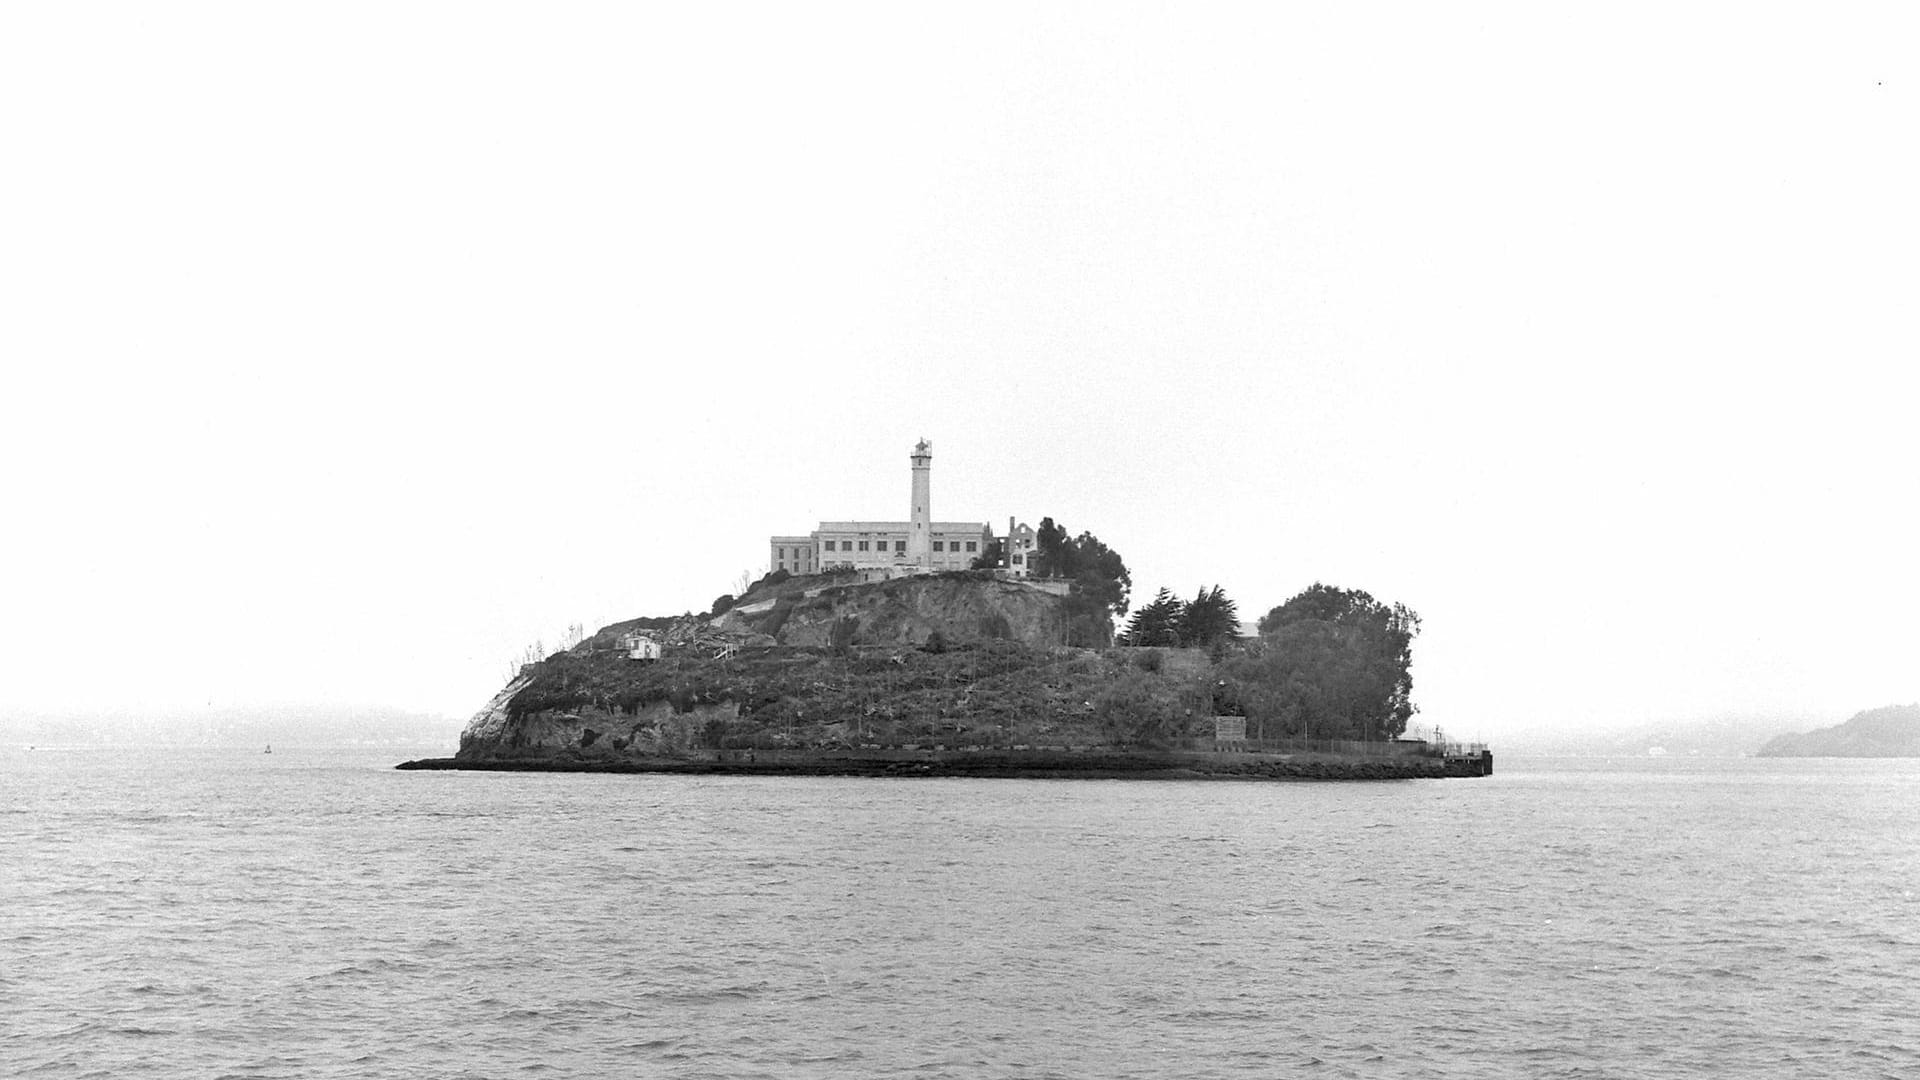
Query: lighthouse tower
point(920, 532)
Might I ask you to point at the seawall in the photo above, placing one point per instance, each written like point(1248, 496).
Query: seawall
point(1038, 764)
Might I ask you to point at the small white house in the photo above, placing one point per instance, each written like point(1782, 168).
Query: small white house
point(640, 646)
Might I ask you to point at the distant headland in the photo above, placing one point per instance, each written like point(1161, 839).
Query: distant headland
point(868, 653)
point(1893, 731)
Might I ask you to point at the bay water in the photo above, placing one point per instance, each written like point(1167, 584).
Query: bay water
point(314, 913)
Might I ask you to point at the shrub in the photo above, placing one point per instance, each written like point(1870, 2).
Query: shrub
point(1135, 709)
point(774, 578)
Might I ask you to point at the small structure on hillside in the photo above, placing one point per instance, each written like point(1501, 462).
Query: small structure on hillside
point(1017, 551)
point(1230, 732)
point(640, 645)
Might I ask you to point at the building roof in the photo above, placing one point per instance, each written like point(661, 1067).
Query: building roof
point(899, 526)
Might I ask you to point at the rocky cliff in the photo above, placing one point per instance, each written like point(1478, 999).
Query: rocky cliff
point(960, 607)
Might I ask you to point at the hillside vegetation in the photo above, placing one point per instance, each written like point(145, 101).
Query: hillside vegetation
point(956, 661)
point(991, 694)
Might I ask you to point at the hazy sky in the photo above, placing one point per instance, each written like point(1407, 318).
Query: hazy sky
point(349, 348)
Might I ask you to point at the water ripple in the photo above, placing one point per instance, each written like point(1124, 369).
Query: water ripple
point(191, 916)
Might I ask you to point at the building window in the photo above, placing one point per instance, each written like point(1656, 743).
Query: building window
point(1016, 559)
point(863, 545)
point(973, 545)
point(900, 546)
point(939, 545)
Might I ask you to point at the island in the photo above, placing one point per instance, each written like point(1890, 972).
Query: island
point(1889, 732)
point(957, 673)
point(936, 648)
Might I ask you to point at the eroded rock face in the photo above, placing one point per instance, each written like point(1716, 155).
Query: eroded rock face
point(654, 731)
point(490, 725)
point(908, 611)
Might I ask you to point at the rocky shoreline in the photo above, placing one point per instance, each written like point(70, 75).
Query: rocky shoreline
point(1015, 765)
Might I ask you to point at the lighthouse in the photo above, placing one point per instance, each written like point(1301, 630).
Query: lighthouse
point(920, 530)
point(882, 549)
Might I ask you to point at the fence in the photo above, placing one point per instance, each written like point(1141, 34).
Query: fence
point(1352, 747)
point(774, 747)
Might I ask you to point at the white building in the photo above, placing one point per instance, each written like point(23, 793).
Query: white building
point(918, 545)
point(1019, 549)
point(640, 646)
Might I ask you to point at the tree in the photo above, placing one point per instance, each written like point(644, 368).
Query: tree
point(1049, 551)
point(1100, 581)
point(1209, 618)
point(1094, 567)
point(1333, 663)
point(1157, 623)
point(1098, 571)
